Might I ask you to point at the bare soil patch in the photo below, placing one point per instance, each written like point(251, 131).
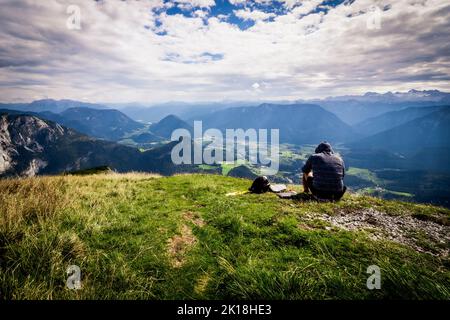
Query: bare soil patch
point(194, 218)
point(179, 245)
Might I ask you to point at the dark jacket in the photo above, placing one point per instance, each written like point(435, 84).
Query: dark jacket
point(328, 169)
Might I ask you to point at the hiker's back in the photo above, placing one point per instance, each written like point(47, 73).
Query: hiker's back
point(328, 170)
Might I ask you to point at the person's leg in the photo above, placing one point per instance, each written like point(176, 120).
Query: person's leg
point(338, 196)
point(326, 195)
point(307, 182)
point(322, 195)
point(314, 192)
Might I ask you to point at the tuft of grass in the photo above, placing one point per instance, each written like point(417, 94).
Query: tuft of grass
point(141, 236)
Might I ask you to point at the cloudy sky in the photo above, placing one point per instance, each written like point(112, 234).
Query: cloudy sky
point(205, 50)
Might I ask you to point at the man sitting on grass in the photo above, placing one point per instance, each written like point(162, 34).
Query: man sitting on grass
point(323, 174)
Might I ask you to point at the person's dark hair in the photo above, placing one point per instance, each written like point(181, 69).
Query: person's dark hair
point(324, 147)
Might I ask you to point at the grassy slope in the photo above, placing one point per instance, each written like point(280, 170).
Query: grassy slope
point(140, 236)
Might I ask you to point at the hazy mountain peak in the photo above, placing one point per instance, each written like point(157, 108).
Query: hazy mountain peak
point(167, 125)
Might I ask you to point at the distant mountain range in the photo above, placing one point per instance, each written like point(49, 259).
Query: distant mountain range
point(298, 124)
point(357, 108)
point(393, 119)
point(429, 131)
point(110, 124)
point(166, 126)
point(160, 132)
point(406, 127)
point(351, 109)
point(158, 112)
point(105, 124)
point(55, 106)
point(30, 146)
point(394, 97)
point(419, 144)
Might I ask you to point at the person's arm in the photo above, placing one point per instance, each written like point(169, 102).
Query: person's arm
point(307, 168)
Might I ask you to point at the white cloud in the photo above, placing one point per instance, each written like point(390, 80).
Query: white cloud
point(290, 3)
point(118, 55)
point(287, 3)
point(200, 13)
point(198, 3)
point(237, 2)
point(223, 16)
point(306, 7)
point(255, 15)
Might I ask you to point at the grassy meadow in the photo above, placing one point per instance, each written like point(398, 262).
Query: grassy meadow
point(141, 236)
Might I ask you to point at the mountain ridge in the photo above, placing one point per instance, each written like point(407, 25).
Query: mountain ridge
point(30, 146)
point(429, 131)
point(298, 123)
point(108, 124)
point(168, 124)
point(392, 119)
point(366, 105)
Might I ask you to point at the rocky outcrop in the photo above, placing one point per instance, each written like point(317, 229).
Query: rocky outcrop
point(30, 146)
point(23, 142)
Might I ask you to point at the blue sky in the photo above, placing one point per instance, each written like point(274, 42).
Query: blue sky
point(153, 51)
point(228, 9)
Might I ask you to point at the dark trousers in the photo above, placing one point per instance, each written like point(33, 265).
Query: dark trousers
point(335, 196)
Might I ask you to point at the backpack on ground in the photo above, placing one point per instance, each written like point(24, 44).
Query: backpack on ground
point(260, 185)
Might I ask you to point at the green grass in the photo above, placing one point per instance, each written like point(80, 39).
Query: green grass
point(138, 236)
